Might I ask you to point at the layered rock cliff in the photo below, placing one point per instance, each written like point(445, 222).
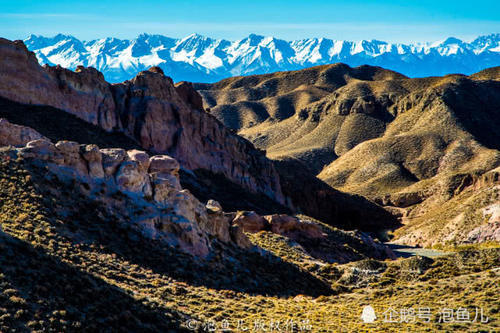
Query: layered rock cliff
point(161, 117)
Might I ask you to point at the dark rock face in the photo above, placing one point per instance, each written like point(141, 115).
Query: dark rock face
point(83, 93)
point(87, 95)
point(189, 94)
point(311, 196)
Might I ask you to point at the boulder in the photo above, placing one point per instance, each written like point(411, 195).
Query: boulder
point(214, 207)
point(42, 145)
point(111, 159)
point(70, 152)
point(164, 186)
point(164, 173)
point(68, 147)
point(293, 227)
point(141, 157)
point(250, 222)
point(42, 149)
point(163, 164)
point(93, 156)
point(131, 178)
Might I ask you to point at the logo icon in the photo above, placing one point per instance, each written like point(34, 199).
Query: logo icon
point(368, 315)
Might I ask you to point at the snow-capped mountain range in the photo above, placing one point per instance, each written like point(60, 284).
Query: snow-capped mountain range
point(201, 59)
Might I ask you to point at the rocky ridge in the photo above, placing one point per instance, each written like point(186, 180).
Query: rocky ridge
point(147, 108)
point(145, 192)
point(149, 184)
point(140, 189)
point(164, 118)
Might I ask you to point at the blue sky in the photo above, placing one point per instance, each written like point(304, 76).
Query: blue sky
point(402, 21)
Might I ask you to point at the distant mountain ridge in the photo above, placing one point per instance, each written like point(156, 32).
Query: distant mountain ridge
point(201, 59)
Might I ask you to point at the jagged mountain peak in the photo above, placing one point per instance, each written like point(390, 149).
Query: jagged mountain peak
point(203, 59)
point(39, 41)
point(194, 41)
point(451, 41)
point(491, 42)
point(252, 40)
point(196, 36)
point(155, 39)
point(255, 37)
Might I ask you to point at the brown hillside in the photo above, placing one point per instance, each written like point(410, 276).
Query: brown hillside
point(409, 144)
point(492, 73)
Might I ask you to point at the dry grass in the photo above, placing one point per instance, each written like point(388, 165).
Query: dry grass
point(79, 272)
point(372, 132)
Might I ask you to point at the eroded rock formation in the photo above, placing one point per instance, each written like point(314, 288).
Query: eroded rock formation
point(162, 117)
point(150, 186)
point(285, 225)
point(16, 135)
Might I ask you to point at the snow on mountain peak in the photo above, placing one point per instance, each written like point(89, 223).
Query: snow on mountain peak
point(488, 42)
point(452, 41)
point(203, 59)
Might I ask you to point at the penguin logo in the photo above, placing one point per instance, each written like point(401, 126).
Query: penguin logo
point(368, 314)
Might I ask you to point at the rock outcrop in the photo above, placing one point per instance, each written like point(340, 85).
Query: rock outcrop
point(154, 113)
point(83, 93)
point(489, 232)
point(293, 227)
point(187, 92)
point(154, 200)
point(285, 225)
point(16, 135)
point(309, 236)
point(162, 117)
point(251, 222)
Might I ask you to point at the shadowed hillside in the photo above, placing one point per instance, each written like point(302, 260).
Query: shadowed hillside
point(68, 265)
